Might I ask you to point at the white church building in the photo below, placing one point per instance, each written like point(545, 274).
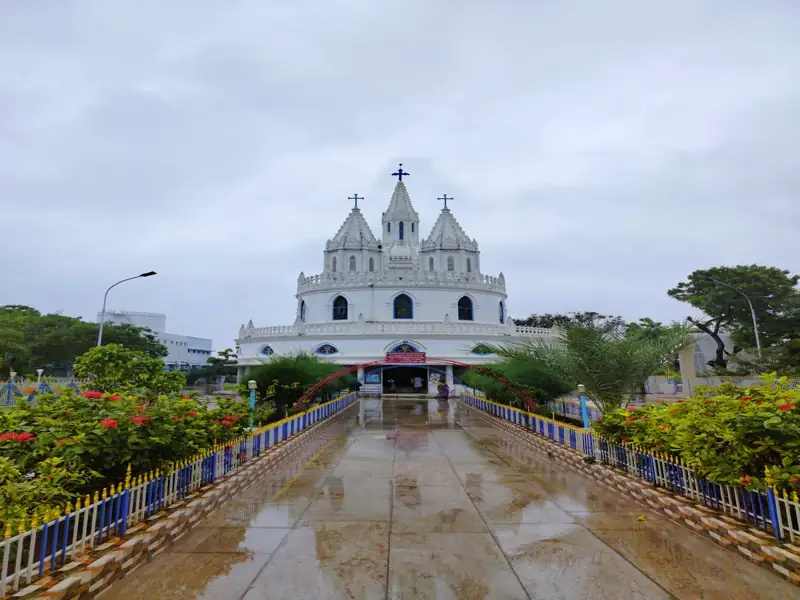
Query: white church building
point(411, 302)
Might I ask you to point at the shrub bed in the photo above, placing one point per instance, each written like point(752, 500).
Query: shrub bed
point(729, 434)
point(67, 445)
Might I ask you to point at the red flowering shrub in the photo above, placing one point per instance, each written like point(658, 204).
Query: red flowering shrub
point(728, 434)
point(96, 440)
point(91, 394)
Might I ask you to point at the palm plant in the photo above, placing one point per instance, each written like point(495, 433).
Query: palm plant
point(613, 363)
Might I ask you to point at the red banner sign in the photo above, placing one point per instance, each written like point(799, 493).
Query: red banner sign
point(405, 357)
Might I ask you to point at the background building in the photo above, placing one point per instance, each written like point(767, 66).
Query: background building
point(185, 352)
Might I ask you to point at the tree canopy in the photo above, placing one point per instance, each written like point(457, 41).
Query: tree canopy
point(580, 319)
point(282, 380)
point(30, 340)
point(776, 302)
point(612, 364)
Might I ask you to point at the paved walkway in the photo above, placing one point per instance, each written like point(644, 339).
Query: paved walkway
point(410, 500)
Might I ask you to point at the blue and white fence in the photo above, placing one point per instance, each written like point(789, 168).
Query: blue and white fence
point(30, 549)
point(774, 511)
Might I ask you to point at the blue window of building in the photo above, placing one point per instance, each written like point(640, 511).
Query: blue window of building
point(400, 231)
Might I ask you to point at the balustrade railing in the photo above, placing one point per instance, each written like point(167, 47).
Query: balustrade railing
point(30, 548)
point(364, 327)
point(775, 511)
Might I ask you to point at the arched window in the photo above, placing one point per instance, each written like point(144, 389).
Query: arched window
point(469, 265)
point(400, 231)
point(371, 264)
point(430, 264)
point(340, 309)
point(333, 264)
point(502, 312)
point(403, 307)
point(303, 311)
point(465, 308)
point(388, 228)
point(451, 263)
point(352, 263)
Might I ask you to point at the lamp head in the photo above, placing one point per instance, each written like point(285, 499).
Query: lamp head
point(581, 389)
point(252, 384)
point(148, 274)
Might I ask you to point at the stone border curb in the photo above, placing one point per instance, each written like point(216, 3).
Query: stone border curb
point(756, 545)
point(89, 576)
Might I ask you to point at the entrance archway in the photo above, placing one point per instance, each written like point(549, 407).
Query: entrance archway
point(311, 392)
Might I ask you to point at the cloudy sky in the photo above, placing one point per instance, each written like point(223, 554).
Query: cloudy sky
point(598, 150)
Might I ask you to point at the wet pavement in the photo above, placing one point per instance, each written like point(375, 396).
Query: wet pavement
point(421, 499)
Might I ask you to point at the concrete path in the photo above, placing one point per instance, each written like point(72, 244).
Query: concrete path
point(413, 500)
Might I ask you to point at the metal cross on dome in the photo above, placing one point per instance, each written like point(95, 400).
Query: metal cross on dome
point(400, 173)
point(445, 198)
point(356, 198)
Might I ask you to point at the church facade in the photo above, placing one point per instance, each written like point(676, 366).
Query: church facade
point(411, 301)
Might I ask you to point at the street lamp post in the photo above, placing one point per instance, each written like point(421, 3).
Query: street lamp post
point(105, 297)
point(252, 385)
point(750, 304)
point(584, 408)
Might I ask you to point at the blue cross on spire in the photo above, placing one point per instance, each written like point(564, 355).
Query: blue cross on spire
point(400, 173)
point(355, 197)
point(445, 198)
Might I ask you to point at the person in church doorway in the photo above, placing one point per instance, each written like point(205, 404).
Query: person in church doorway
point(418, 384)
point(392, 387)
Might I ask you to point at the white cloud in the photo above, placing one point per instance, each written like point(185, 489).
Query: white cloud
point(599, 152)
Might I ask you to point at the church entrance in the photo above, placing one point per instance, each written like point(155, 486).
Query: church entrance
point(405, 380)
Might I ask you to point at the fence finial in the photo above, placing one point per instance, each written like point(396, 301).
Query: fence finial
point(21, 526)
point(113, 491)
point(78, 504)
point(68, 508)
point(128, 476)
point(34, 521)
point(9, 532)
point(794, 497)
point(767, 477)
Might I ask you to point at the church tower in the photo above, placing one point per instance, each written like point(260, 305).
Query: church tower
point(400, 225)
point(354, 248)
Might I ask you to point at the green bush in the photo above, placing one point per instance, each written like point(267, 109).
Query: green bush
point(68, 445)
point(115, 369)
point(729, 434)
point(526, 374)
point(283, 380)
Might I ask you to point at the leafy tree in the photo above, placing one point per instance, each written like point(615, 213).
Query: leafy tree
point(282, 380)
point(580, 319)
point(30, 340)
point(531, 375)
point(776, 302)
point(611, 364)
point(115, 369)
point(222, 365)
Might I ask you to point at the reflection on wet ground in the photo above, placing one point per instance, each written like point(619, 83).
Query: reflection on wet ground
point(420, 499)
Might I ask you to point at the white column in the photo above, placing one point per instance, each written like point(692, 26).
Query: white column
point(688, 372)
point(240, 373)
point(360, 374)
point(449, 377)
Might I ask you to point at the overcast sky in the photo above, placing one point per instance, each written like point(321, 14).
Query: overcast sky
point(599, 151)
